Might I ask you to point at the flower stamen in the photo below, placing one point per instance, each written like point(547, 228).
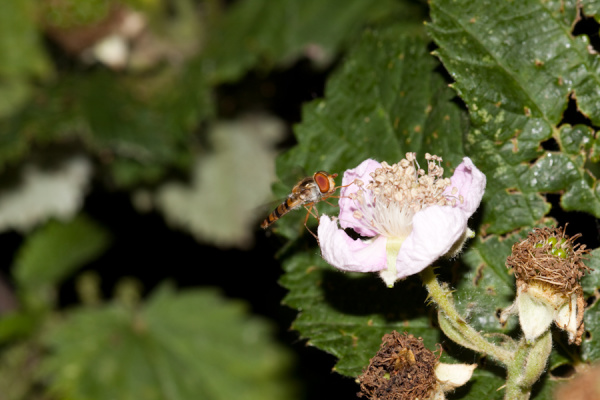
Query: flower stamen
point(396, 192)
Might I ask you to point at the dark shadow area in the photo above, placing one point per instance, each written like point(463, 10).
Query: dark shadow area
point(590, 27)
point(370, 296)
point(548, 145)
point(563, 371)
point(281, 92)
point(576, 222)
point(573, 116)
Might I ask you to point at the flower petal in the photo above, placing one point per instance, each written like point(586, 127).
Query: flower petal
point(470, 183)
point(345, 253)
point(362, 171)
point(435, 230)
point(347, 205)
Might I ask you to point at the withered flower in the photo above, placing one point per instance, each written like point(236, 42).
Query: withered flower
point(404, 368)
point(548, 267)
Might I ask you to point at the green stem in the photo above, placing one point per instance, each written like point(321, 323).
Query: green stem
point(470, 336)
point(513, 390)
point(527, 366)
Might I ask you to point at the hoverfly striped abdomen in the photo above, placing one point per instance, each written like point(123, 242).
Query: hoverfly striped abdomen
point(305, 193)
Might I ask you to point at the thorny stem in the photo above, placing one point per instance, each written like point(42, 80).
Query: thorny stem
point(442, 298)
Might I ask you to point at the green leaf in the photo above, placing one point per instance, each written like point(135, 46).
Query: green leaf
point(483, 283)
point(70, 14)
point(483, 385)
point(592, 8)
point(142, 125)
point(590, 348)
point(185, 345)
point(384, 101)
point(243, 36)
point(17, 325)
point(56, 250)
point(486, 385)
point(23, 56)
point(515, 65)
point(347, 314)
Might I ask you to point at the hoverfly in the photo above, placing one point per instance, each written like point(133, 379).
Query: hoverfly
point(307, 192)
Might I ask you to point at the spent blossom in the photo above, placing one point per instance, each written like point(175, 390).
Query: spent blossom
point(408, 217)
point(404, 369)
point(548, 266)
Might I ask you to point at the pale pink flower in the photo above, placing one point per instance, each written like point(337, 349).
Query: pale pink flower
point(408, 218)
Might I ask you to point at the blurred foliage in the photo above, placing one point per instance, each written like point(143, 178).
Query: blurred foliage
point(130, 87)
point(53, 252)
point(43, 189)
point(23, 58)
point(157, 351)
point(264, 33)
point(242, 152)
point(127, 349)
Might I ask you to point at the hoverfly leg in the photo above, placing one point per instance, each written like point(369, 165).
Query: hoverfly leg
point(342, 186)
point(338, 197)
point(310, 207)
point(331, 204)
point(310, 212)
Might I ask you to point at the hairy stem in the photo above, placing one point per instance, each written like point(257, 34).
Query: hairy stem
point(513, 389)
point(469, 337)
point(527, 366)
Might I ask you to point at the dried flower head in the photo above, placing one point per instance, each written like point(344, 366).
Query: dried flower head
point(548, 266)
point(404, 368)
point(549, 256)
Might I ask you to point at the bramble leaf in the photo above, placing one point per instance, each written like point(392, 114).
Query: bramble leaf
point(242, 38)
point(515, 66)
point(161, 351)
point(404, 106)
point(347, 314)
point(140, 134)
point(23, 55)
point(239, 167)
point(56, 250)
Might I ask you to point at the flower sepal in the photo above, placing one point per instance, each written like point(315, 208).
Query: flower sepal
point(451, 377)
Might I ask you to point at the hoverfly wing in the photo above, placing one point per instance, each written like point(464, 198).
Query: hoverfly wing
point(285, 200)
point(307, 191)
